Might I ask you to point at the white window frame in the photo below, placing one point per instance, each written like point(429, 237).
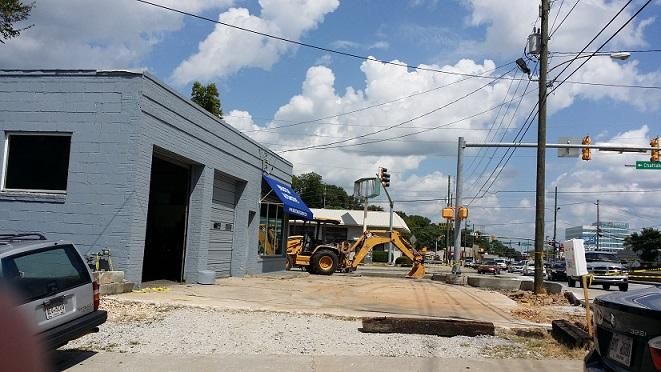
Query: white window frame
point(5, 160)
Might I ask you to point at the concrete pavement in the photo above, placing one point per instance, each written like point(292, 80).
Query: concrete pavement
point(112, 362)
point(340, 296)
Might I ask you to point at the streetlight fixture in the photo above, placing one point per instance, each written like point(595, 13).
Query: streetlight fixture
point(620, 56)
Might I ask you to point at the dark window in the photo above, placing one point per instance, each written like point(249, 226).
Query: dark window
point(44, 272)
point(37, 162)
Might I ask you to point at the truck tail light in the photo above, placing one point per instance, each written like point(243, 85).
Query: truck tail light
point(97, 295)
point(655, 351)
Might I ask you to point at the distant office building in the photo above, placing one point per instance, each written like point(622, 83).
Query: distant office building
point(611, 237)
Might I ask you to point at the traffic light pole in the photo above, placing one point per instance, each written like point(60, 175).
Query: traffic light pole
point(462, 145)
point(391, 255)
point(456, 268)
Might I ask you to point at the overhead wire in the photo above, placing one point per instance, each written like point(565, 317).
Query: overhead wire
point(403, 122)
point(553, 31)
point(307, 45)
point(593, 39)
point(492, 127)
point(557, 86)
point(377, 104)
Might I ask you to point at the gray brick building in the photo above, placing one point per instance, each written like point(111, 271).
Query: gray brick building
point(119, 160)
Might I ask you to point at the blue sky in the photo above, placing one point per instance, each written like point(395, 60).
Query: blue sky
point(266, 84)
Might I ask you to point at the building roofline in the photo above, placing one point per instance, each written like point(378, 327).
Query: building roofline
point(133, 73)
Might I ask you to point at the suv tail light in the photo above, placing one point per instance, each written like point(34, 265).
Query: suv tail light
point(655, 351)
point(97, 295)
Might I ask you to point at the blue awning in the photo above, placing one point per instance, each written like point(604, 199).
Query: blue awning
point(294, 205)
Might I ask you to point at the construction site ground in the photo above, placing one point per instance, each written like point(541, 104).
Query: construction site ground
point(315, 320)
point(347, 296)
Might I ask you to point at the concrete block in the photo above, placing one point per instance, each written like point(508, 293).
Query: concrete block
point(438, 327)
point(551, 287)
point(108, 277)
point(116, 288)
point(569, 334)
point(494, 282)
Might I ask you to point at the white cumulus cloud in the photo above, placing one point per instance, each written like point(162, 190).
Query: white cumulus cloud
point(95, 33)
point(227, 50)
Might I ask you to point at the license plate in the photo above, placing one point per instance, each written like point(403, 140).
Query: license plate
point(620, 349)
point(54, 310)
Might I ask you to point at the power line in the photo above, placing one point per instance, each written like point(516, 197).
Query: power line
point(327, 145)
point(591, 41)
point(307, 45)
point(468, 169)
point(412, 133)
point(612, 51)
point(564, 19)
point(557, 14)
point(377, 104)
point(356, 56)
point(502, 137)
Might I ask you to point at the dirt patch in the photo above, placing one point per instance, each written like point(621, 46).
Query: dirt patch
point(538, 346)
point(544, 308)
point(126, 312)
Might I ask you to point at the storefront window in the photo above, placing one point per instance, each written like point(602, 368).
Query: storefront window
point(271, 229)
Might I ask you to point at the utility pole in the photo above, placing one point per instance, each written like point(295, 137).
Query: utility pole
point(447, 222)
point(541, 151)
point(555, 222)
point(456, 269)
point(597, 224)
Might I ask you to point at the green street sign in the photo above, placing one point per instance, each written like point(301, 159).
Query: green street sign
point(648, 165)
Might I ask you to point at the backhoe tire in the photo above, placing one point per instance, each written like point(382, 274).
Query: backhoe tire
point(289, 264)
point(324, 262)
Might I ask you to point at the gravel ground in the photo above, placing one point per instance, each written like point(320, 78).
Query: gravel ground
point(145, 328)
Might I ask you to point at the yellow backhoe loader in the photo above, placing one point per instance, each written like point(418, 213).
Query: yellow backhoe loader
point(267, 242)
point(325, 259)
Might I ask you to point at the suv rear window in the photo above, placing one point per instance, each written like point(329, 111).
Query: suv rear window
point(45, 272)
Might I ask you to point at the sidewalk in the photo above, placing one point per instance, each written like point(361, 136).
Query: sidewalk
point(338, 295)
point(293, 363)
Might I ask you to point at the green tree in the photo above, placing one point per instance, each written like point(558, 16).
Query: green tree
point(207, 97)
point(646, 244)
point(11, 12)
point(318, 194)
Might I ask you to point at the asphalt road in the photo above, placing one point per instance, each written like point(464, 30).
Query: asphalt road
point(594, 291)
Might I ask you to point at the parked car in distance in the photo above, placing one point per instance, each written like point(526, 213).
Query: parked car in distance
point(468, 262)
point(54, 287)
point(516, 267)
point(488, 267)
point(627, 335)
point(558, 271)
point(502, 263)
point(606, 270)
point(529, 269)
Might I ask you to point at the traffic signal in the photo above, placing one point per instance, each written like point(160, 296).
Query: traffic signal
point(586, 150)
point(384, 176)
point(655, 152)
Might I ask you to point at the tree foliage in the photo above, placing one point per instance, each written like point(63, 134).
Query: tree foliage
point(11, 12)
point(318, 194)
point(207, 97)
point(646, 244)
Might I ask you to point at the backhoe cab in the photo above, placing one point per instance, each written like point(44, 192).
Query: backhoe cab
point(316, 256)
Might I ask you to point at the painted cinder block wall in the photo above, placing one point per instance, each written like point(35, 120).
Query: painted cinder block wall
point(117, 120)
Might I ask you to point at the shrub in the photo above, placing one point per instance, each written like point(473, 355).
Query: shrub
point(403, 261)
point(379, 256)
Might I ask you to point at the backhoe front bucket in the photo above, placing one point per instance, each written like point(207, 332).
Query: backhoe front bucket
point(417, 271)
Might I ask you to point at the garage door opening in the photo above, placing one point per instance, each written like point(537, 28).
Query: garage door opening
point(165, 241)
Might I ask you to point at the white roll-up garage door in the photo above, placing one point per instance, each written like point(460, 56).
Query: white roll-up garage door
point(222, 224)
